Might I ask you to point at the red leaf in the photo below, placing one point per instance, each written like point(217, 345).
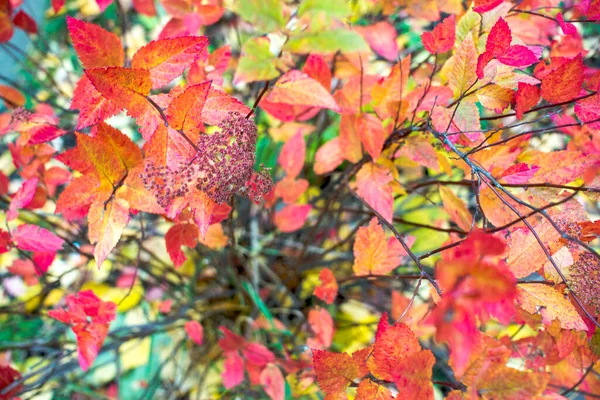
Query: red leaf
point(57, 5)
point(291, 218)
point(95, 47)
point(483, 6)
point(328, 289)
point(145, 7)
point(335, 371)
point(272, 380)
point(527, 96)
point(291, 157)
point(317, 68)
point(34, 238)
point(499, 39)
point(5, 242)
point(195, 331)
point(297, 88)
point(25, 22)
point(441, 39)
point(177, 236)
point(93, 106)
point(166, 59)
point(8, 375)
point(89, 318)
point(564, 83)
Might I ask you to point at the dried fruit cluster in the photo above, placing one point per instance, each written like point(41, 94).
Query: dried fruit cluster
point(222, 166)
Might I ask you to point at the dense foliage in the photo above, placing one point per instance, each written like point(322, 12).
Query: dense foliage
point(300, 199)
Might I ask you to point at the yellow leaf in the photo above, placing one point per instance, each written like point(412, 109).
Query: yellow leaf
point(463, 65)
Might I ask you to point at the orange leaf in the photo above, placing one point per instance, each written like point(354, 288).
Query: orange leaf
point(128, 88)
point(371, 133)
point(166, 59)
point(219, 105)
point(547, 301)
point(564, 82)
point(93, 106)
point(106, 224)
point(290, 189)
point(321, 324)
point(297, 88)
point(328, 289)
point(349, 139)
point(457, 209)
point(371, 250)
point(335, 371)
point(328, 157)
point(369, 390)
point(185, 111)
point(95, 47)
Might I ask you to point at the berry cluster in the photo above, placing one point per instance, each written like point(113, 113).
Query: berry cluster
point(585, 279)
point(222, 167)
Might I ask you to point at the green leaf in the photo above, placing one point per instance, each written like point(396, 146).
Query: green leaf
point(257, 63)
point(265, 15)
point(330, 8)
point(330, 41)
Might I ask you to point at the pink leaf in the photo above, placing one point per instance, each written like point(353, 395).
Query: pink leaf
point(194, 331)
point(22, 198)
point(34, 238)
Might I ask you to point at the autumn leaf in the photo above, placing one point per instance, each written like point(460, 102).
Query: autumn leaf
point(195, 331)
point(564, 82)
point(292, 217)
point(177, 236)
point(328, 289)
point(441, 39)
point(526, 97)
point(273, 383)
point(462, 67)
point(166, 59)
point(328, 157)
point(372, 185)
point(106, 224)
point(34, 238)
point(551, 304)
point(185, 111)
point(457, 209)
point(373, 254)
point(89, 318)
point(291, 157)
point(369, 390)
point(381, 37)
point(335, 371)
point(128, 88)
point(96, 47)
point(297, 88)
